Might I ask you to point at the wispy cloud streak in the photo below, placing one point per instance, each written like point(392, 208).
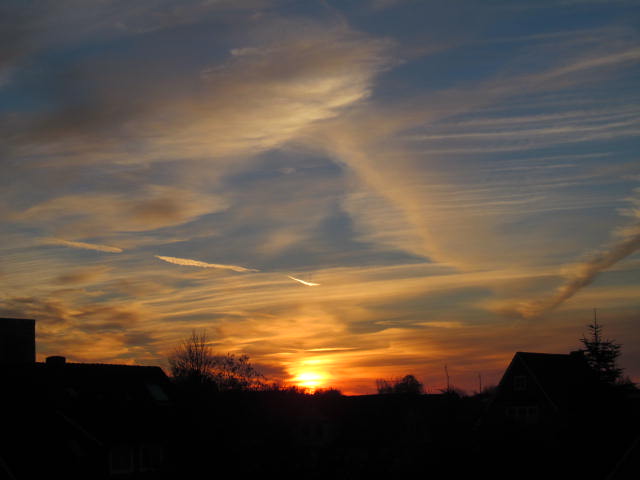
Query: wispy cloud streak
point(329, 349)
point(309, 284)
point(585, 275)
point(82, 245)
point(628, 243)
point(195, 263)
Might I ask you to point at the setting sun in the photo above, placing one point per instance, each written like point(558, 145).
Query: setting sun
point(310, 238)
point(311, 380)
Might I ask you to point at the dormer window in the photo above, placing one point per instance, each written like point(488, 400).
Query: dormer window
point(520, 383)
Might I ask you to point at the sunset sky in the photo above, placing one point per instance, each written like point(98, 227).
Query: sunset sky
point(344, 190)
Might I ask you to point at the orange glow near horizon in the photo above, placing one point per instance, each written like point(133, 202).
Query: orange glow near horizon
point(311, 380)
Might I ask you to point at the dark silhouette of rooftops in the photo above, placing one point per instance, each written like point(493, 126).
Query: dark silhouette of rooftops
point(84, 420)
point(88, 420)
point(17, 341)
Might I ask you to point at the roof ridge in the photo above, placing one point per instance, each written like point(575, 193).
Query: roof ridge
point(91, 364)
point(547, 354)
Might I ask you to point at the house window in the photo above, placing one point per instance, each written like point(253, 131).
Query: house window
point(520, 383)
point(157, 393)
point(121, 459)
point(150, 457)
point(528, 414)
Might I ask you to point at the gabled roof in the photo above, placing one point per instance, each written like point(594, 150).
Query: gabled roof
point(89, 382)
point(628, 465)
point(104, 402)
point(559, 376)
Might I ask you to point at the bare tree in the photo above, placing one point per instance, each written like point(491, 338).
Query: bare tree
point(194, 361)
point(235, 372)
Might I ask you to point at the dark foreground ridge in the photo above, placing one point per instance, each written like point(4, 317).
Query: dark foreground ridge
point(549, 418)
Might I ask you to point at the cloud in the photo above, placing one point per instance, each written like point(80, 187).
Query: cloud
point(80, 276)
point(330, 349)
point(384, 4)
point(25, 30)
point(178, 134)
point(84, 328)
point(195, 263)
point(309, 284)
point(48, 312)
point(585, 273)
point(463, 215)
point(630, 55)
point(82, 245)
point(600, 262)
point(102, 213)
point(257, 96)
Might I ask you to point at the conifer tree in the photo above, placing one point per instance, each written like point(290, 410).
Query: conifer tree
point(601, 354)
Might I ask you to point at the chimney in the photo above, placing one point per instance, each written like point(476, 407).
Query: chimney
point(17, 341)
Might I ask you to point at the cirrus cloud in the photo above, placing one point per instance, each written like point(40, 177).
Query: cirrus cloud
point(82, 245)
point(195, 263)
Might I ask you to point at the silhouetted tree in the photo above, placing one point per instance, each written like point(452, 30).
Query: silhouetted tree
point(235, 372)
point(602, 355)
point(408, 384)
point(327, 393)
point(626, 384)
point(192, 360)
point(195, 362)
point(384, 386)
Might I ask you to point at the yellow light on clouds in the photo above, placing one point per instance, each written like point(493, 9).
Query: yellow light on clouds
point(311, 380)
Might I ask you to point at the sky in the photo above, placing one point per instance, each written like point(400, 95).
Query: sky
point(344, 190)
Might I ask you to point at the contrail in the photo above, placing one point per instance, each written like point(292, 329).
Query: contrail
point(309, 284)
point(195, 263)
point(82, 245)
point(585, 275)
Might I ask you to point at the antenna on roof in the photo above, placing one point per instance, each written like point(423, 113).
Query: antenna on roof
point(596, 327)
point(446, 372)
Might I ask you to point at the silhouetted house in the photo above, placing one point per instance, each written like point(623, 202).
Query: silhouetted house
point(102, 420)
point(628, 466)
point(542, 389)
point(81, 420)
point(536, 422)
point(17, 341)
